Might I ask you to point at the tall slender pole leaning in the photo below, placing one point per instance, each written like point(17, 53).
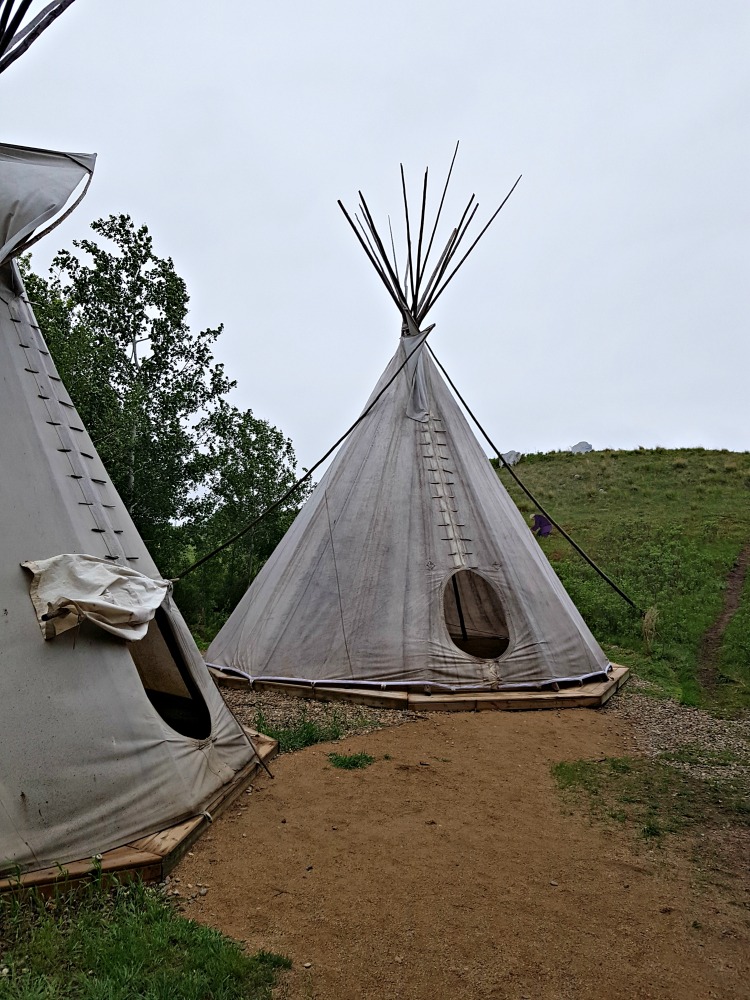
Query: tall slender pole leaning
point(14, 43)
point(408, 232)
point(440, 207)
point(419, 242)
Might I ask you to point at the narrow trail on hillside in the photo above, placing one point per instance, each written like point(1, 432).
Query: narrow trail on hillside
point(708, 655)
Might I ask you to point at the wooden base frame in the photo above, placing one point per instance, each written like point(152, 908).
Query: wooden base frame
point(148, 858)
point(589, 695)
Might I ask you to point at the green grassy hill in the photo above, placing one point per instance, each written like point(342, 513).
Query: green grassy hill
point(667, 526)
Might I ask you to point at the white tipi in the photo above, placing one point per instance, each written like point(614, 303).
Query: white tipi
point(105, 737)
point(410, 566)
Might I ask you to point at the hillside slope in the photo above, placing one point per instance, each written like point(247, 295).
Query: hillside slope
point(668, 526)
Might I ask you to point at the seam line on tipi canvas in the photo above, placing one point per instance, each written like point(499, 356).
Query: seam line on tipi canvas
point(338, 585)
point(440, 477)
point(37, 367)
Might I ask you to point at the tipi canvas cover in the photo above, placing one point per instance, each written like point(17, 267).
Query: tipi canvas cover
point(102, 739)
point(410, 565)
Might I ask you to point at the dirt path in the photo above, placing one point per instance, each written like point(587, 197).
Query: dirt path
point(708, 654)
point(453, 870)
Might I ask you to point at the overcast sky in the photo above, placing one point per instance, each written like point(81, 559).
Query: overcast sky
point(608, 302)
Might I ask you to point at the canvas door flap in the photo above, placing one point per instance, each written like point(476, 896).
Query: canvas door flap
point(71, 588)
point(37, 185)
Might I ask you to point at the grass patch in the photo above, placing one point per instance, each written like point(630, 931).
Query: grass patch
point(702, 757)
point(124, 944)
point(667, 525)
point(652, 796)
point(351, 761)
point(304, 732)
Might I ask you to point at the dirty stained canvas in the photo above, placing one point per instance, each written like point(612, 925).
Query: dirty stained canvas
point(102, 740)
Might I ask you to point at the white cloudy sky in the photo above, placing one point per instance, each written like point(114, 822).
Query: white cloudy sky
point(608, 302)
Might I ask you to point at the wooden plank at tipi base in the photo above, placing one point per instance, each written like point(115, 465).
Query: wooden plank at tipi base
point(228, 680)
point(376, 699)
point(125, 861)
point(148, 858)
point(589, 695)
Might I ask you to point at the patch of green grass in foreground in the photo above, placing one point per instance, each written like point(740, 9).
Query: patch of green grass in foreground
point(351, 761)
point(124, 944)
point(300, 732)
point(304, 732)
point(653, 796)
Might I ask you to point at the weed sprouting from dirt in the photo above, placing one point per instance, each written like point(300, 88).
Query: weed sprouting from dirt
point(651, 829)
point(126, 941)
point(351, 761)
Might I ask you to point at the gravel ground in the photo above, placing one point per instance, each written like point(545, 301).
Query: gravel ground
point(280, 710)
point(667, 727)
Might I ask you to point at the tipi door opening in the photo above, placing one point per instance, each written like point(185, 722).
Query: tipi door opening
point(167, 680)
point(474, 615)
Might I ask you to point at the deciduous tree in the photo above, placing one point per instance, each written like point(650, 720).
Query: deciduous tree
point(189, 467)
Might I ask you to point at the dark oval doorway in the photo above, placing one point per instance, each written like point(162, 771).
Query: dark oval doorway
point(167, 680)
point(474, 615)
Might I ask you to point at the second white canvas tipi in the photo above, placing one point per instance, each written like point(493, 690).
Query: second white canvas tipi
point(410, 566)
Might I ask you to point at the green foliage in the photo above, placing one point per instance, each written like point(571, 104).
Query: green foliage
point(126, 944)
point(245, 466)
point(302, 732)
point(351, 761)
point(653, 796)
point(667, 526)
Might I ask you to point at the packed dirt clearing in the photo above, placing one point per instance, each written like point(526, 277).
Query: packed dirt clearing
point(452, 867)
